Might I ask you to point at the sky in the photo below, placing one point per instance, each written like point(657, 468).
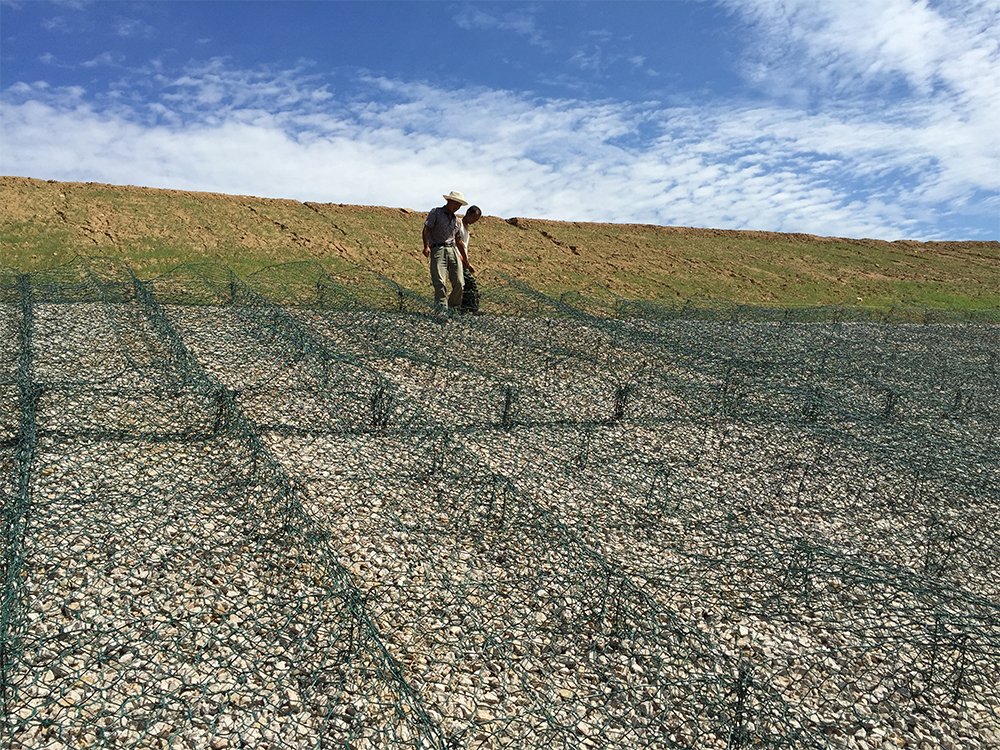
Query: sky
point(872, 119)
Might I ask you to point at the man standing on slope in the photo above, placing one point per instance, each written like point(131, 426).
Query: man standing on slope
point(470, 291)
point(442, 244)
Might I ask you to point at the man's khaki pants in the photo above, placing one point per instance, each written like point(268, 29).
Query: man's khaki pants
point(446, 264)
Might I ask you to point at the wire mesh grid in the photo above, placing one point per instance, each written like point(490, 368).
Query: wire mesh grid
point(298, 510)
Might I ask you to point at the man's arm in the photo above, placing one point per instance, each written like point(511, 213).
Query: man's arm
point(463, 252)
point(427, 242)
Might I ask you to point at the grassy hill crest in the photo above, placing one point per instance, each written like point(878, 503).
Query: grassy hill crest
point(44, 223)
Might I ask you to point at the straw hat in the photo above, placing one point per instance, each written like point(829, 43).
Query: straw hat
point(456, 196)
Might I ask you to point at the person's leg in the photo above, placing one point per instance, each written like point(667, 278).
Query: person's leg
point(456, 278)
point(439, 272)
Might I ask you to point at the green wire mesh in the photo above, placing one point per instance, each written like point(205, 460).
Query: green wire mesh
point(300, 511)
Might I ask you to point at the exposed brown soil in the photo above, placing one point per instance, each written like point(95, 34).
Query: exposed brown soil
point(43, 222)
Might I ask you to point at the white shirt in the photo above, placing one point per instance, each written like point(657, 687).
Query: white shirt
point(461, 231)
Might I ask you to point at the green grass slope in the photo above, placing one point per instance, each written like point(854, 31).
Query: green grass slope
point(43, 223)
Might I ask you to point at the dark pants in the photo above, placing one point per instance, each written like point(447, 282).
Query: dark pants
point(470, 293)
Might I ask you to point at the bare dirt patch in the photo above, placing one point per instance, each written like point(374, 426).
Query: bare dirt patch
point(42, 222)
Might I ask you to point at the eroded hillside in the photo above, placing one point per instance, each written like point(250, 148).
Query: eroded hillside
point(45, 222)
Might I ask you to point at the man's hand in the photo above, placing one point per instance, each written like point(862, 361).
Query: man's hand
point(469, 268)
point(427, 251)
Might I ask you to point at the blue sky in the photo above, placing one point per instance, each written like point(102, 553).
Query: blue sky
point(875, 119)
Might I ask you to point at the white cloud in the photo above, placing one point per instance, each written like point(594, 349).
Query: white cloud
point(132, 27)
point(950, 48)
point(285, 133)
point(214, 84)
point(591, 60)
point(102, 60)
point(57, 24)
point(520, 22)
point(603, 52)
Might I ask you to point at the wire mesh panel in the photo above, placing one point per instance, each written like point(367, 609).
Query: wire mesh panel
point(165, 588)
point(299, 510)
point(513, 631)
point(723, 534)
point(175, 601)
point(9, 356)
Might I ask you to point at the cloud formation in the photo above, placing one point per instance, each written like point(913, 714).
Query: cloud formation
point(841, 47)
point(521, 22)
point(913, 169)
